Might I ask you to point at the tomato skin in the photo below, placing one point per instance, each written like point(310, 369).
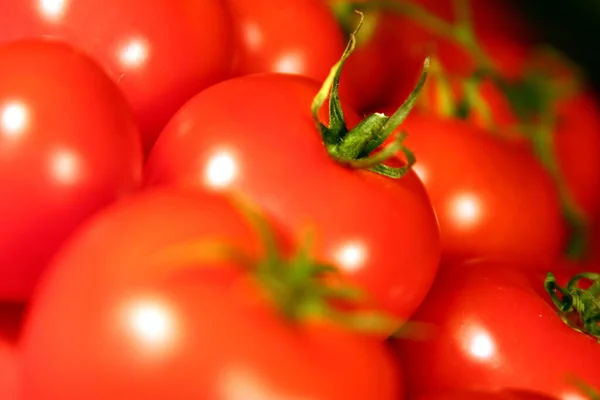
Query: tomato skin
point(491, 197)
point(217, 336)
point(301, 37)
point(160, 56)
point(273, 154)
point(68, 147)
point(497, 329)
point(504, 395)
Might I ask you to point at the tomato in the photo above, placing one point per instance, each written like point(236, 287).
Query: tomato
point(574, 139)
point(68, 147)
point(491, 197)
point(10, 321)
point(496, 329)
point(124, 313)
point(299, 37)
point(160, 55)
point(256, 135)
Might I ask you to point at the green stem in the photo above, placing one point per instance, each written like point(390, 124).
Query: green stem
point(579, 308)
point(353, 148)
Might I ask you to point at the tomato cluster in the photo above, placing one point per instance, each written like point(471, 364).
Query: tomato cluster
point(309, 199)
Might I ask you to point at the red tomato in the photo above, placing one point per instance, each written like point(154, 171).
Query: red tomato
point(496, 329)
point(491, 197)
point(256, 135)
point(300, 37)
point(160, 55)
point(112, 320)
point(68, 147)
point(10, 321)
point(574, 139)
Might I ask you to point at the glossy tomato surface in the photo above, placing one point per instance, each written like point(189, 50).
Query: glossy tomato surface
point(160, 52)
point(10, 323)
point(299, 37)
point(68, 147)
point(256, 135)
point(492, 198)
point(160, 321)
point(496, 329)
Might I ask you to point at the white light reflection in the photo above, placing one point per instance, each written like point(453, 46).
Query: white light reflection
point(482, 346)
point(52, 9)
point(13, 119)
point(466, 210)
point(151, 324)
point(420, 171)
point(290, 63)
point(238, 384)
point(221, 170)
point(478, 344)
point(134, 54)
point(65, 167)
point(351, 256)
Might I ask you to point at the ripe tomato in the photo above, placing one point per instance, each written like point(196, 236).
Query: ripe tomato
point(256, 135)
point(300, 37)
point(497, 329)
point(10, 321)
point(491, 197)
point(160, 55)
point(68, 147)
point(158, 324)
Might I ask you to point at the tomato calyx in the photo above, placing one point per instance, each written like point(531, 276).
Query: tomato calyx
point(299, 288)
point(578, 307)
point(354, 148)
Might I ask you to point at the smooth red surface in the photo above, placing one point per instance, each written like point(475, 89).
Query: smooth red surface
point(68, 147)
point(300, 37)
point(160, 52)
point(494, 328)
point(491, 197)
point(125, 314)
point(255, 135)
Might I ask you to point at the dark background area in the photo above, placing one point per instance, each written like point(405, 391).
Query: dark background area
point(572, 26)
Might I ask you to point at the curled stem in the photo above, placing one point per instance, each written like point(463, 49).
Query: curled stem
point(578, 307)
point(353, 148)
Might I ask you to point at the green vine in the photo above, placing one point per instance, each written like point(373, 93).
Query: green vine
point(532, 99)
